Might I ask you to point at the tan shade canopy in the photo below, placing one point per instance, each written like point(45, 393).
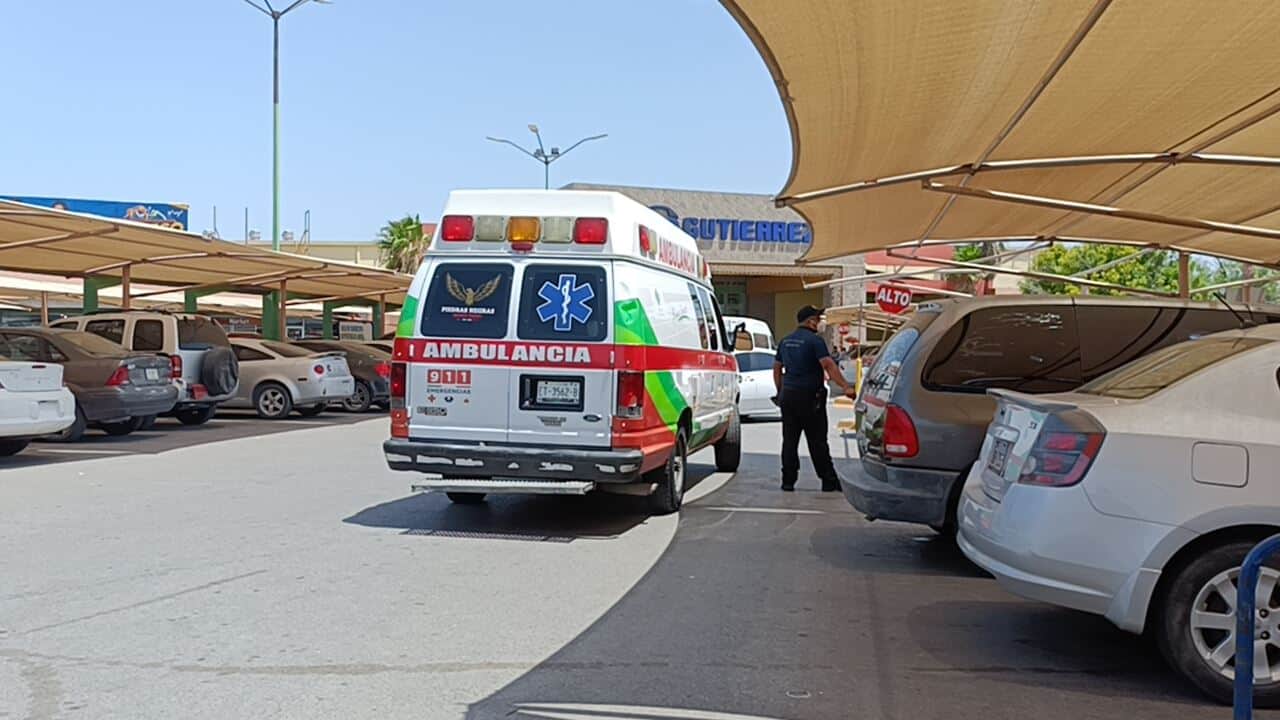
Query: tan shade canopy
point(911, 119)
point(55, 242)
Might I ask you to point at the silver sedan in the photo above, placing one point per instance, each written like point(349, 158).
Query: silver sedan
point(277, 378)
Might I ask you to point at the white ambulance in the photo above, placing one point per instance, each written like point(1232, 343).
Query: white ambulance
point(559, 341)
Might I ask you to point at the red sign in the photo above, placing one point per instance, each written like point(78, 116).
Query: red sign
point(843, 329)
point(893, 300)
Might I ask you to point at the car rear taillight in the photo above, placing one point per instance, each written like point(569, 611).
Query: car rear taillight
point(383, 369)
point(119, 377)
point(900, 439)
point(175, 367)
point(318, 369)
point(1060, 458)
point(590, 231)
point(457, 228)
point(630, 394)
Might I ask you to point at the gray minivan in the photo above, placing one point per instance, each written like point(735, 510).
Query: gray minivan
point(923, 409)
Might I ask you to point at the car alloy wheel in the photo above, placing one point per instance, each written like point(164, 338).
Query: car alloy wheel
point(1213, 625)
point(272, 402)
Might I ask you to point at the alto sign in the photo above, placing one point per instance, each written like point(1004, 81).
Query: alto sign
point(893, 300)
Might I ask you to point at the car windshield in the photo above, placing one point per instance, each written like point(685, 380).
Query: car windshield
point(92, 344)
point(196, 332)
point(1161, 369)
point(287, 349)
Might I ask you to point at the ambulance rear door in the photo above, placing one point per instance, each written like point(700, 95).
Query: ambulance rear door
point(562, 382)
point(458, 382)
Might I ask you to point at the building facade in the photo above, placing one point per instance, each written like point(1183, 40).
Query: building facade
point(752, 248)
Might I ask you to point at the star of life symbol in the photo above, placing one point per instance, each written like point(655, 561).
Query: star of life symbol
point(564, 302)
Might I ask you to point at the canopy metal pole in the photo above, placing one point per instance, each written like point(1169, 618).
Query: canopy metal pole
point(1248, 282)
point(1184, 275)
point(44, 307)
point(282, 312)
point(125, 300)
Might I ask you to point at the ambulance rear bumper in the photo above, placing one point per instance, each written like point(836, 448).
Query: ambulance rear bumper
point(461, 460)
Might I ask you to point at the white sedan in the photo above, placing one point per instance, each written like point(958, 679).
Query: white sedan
point(1137, 497)
point(33, 402)
point(755, 384)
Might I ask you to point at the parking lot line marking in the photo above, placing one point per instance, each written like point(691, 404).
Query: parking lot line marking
point(774, 511)
point(69, 451)
point(708, 485)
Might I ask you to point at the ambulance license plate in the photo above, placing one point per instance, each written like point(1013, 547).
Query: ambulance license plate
point(558, 392)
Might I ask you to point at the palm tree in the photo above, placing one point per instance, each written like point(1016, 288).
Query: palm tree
point(402, 244)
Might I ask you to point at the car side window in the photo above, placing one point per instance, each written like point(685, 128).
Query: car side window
point(148, 335)
point(65, 324)
point(248, 354)
point(112, 330)
point(1112, 336)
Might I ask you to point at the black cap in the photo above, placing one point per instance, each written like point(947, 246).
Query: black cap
point(807, 312)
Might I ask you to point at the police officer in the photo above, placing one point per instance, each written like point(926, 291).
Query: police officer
point(802, 396)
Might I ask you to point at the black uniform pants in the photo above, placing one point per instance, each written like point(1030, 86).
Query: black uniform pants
point(806, 412)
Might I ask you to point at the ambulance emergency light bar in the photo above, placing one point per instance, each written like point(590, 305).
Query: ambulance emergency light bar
point(522, 232)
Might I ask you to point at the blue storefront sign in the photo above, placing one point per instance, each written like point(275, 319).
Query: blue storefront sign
point(771, 231)
point(163, 214)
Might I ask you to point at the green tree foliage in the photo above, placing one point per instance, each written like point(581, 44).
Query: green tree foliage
point(1154, 271)
point(401, 244)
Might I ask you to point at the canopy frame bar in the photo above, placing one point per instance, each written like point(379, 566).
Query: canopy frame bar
point(61, 237)
point(1039, 244)
point(1140, 158)
point(333, 298)
point(1115, 263)
point(1036, 275)
point(1105, 210)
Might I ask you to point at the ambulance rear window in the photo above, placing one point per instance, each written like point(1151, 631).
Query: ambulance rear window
point(468, 300)
point(564, 302)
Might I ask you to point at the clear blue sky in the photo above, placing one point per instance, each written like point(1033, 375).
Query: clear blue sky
point(385, 103)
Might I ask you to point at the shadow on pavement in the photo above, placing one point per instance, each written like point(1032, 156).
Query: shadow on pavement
point(546, 518)
point(891, 548)
point(1042, 646)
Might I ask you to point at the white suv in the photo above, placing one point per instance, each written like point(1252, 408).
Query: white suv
point(204, 366)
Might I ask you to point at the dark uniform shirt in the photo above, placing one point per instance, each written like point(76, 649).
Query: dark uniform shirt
point(801, 355)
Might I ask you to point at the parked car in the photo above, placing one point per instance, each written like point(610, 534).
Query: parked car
point(923, 409)
point(204, 368)
point(277, 378)
point(33, 403)
point(370, 366)
point(755, 384)
point(115, 389)
point(1138, 496)
point(386, 346)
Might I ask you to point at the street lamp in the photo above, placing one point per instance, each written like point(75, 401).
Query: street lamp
point(541, 154)
point(275, 16)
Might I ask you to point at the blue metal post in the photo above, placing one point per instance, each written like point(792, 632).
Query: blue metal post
point(1246, 610)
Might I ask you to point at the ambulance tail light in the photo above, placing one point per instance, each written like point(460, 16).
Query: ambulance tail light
point(457, 228)
point(591, 231)
point(630, 394)
point(399, 410)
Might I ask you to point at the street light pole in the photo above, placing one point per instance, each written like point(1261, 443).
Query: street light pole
point(541, 154)
point(275, 16)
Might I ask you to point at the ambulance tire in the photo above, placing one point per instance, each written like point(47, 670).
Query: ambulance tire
point(670, 478)
point(465, 498)
point(729, 447)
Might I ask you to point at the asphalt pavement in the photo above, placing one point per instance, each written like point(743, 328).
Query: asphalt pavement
point(291, 575)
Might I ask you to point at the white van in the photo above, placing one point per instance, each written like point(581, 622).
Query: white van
point(749, 333)
point(559, 341)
